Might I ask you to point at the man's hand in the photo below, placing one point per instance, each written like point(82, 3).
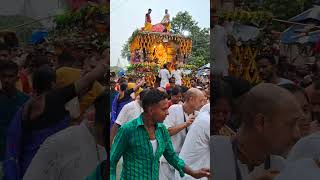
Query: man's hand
point(268, 175)
point(190, 121)
point(203, 172)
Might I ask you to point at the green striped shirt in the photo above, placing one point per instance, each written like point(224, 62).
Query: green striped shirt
point(139, 162)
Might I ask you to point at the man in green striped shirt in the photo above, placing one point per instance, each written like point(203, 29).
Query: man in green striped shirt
point(144, 140)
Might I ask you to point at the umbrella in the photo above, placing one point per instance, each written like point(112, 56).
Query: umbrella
point(244, 32)
point(310, 14)
point(303, 33)
point(121, 73)
point(207, 66)
point(298, 34)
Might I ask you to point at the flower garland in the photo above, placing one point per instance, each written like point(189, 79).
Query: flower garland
point(146, 40)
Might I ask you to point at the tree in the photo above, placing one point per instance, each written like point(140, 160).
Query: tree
point(200, 55)
point(181, 22)
point(125, 51)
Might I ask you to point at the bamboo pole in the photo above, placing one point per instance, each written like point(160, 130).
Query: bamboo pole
point(25, 24)
point(296, 23)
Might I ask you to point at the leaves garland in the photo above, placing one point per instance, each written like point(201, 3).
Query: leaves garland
point(259, 18)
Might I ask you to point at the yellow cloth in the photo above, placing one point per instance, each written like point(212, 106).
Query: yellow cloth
point(147, 27)
point(133, 85)
point(168, 27)
point(67, 75)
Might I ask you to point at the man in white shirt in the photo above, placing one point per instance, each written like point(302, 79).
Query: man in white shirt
point(303, 160)
point(205, 108)
point(177, 74)
point(129, 112)
point(269, 116)
point(195, 150)
point(165, 75)
point(306, 147)
point(219, 47)
point(303, 169)
point(72, 153)
point(180, 117)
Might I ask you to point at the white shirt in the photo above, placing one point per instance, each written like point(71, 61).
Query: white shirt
point(164, 74)
point(205, 108)
point(221, 151)
point(284, 81)
point(154, 144)
point(306, 147)
point(303, 169)
point(220, 49)
point(177, 74)
point(68, 154)
point(176, 117)
point(195, 151)
point(129, 112)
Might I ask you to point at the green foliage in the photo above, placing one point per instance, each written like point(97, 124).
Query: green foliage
point(87, 26)
point(80, 16)
point(281, 9)
point(181, 22)
point(247, 17)
point(125, 51)
point(200, 55)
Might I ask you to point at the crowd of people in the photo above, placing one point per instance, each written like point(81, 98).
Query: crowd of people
point(159, 132)
point(53, 109)
point(269, 130)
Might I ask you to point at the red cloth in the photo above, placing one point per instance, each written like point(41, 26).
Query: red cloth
point(158, 28)
point(148, 18)
point(168, 86)
point(316, 48)
point(76, 4)
point(26, 86)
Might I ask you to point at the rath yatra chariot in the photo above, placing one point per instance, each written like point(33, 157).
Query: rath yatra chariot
point(153, 47)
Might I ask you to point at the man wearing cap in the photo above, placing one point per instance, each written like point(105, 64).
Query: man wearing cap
point(123, 98)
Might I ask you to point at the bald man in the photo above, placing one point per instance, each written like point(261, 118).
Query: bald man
point(180, 117)
point(269, 118)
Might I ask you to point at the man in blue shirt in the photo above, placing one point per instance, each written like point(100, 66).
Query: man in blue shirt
point(11, 100)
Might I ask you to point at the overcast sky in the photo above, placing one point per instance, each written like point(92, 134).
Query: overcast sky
point(128, 15)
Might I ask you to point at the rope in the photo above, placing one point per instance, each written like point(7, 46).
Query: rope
point(25, 24)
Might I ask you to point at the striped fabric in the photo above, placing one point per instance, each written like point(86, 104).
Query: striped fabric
point(133, 143)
